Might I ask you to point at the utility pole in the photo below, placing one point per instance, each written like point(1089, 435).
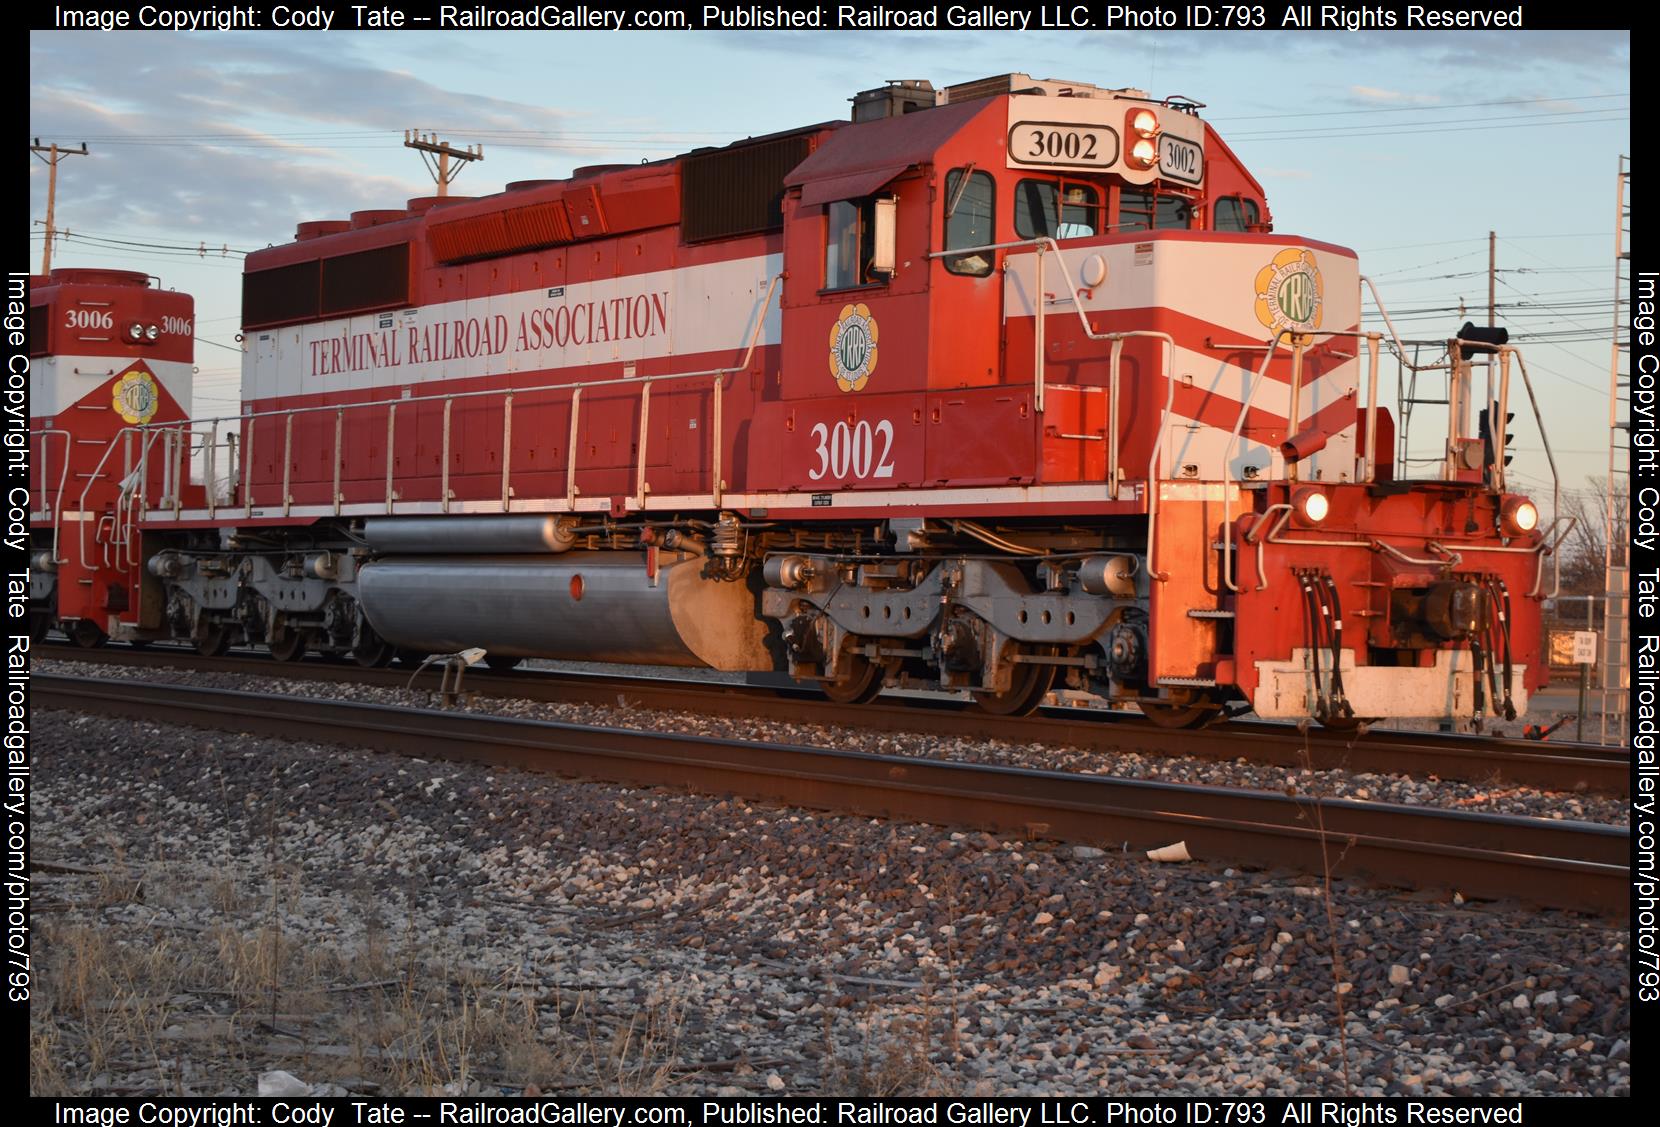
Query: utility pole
point(1493, 274)
point(430, 144)
point(54, 154)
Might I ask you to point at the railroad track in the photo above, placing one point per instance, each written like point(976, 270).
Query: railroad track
point(1574, 865)
point(1485, 760)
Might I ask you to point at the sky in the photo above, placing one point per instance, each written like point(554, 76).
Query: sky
point(1407, 146)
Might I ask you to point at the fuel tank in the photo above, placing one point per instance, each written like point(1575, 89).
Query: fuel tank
point(581, 606)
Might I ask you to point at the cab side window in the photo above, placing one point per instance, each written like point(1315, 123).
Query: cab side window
point(970, 216)
point(1235, 213)
point(1139, 209)
point(850, 242)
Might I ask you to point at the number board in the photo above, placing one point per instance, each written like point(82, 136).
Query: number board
point(1181, 159)
point(1062, 144)
point(1092, 137)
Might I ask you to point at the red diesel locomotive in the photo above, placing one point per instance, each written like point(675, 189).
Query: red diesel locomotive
point(1005, 388)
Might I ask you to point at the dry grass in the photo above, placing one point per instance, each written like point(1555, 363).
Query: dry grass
point(134, 997)
point(894, 1058)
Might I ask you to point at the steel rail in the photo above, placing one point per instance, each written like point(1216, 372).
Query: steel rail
point(1485, 760)
point(1572, 865)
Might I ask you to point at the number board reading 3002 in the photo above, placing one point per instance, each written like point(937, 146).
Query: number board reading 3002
point(1050, 143)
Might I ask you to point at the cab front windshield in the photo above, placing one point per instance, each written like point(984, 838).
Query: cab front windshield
point(1057, 209)
point(1062, 208)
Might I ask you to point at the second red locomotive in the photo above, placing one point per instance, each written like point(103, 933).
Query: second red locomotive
point(1005, 388)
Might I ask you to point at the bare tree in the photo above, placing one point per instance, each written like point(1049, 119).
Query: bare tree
point(1584, 554)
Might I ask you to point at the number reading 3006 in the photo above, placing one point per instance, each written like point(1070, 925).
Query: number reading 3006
point(851, 451)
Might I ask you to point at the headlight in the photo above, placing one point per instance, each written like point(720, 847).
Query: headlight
point(136, 331)
point(1518, 516)
point(1141, 130)
point(151, 332)
point(1311, 505)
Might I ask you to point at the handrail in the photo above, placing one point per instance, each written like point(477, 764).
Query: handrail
point(1395, 338)
point(247, 471)
point(1374, 342)
point(132, 498)
point(1039, 244)
point(640, 461)
point(335, 496)
point(1227, 454)
point(287, 463)
point(506, 450)
point(575, 387)
point(54, 506)
point(391, 433)
point(444, 459)
point(210, 470)
point(80, 504)
point(1152, 478)
point(570, 455)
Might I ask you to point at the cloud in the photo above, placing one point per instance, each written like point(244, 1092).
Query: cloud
point(188, 141)
point(1392, 97)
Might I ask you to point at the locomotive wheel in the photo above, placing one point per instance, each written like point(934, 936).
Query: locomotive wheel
point(40, 624)
point(212, 639)
point(86, 634)
point(376, 654)
point(861, 686)
point(1028, 686)
point(372, 651)
point(287, 644)
point(502, 663)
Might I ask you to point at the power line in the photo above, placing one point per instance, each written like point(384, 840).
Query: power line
point(1385, 133)
point(1457, 242)
point(1425, 109)
point(118, 138)
point(174, 250)
point(1421, 265)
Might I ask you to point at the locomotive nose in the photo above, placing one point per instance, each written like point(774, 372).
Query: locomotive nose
point(1454, 609)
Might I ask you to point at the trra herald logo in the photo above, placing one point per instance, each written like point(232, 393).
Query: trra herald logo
point(853, 347)
point(135, 397)
point(1289, 292)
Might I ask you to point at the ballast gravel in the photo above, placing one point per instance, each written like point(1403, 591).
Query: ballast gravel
point(214, 908)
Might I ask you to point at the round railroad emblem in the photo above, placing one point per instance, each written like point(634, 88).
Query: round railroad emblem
point(853, 347)
point(136, 398)
point(1289, 292)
